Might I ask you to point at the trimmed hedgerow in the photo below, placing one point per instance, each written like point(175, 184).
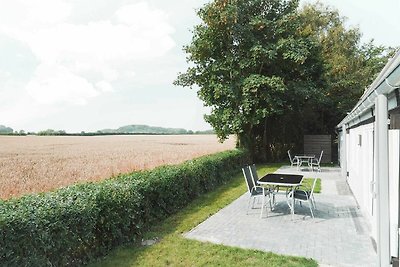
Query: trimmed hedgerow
point(75, 224)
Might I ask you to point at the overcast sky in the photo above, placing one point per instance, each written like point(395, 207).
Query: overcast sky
point(84, 65)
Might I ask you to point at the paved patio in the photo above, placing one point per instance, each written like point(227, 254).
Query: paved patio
point(337, 236)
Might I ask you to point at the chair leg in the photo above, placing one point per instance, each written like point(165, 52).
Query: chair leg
point(313, 201)
point(273, 201)
point(262, 206)
point(309, 205)
point(270, 202)
point(248, 205)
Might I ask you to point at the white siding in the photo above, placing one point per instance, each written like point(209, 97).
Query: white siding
point(394, 136)
point(347, 136)
point(360, 165)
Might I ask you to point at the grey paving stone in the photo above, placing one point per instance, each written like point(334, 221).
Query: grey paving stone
point(337, 236)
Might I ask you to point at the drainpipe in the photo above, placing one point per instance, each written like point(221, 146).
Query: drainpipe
point(382, 180)
point(343, 156)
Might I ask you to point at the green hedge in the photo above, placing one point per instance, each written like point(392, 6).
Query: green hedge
point(75, 224)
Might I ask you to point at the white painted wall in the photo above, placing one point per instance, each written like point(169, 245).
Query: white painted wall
point(360, 165)
point(347, 144)
point(394, 138)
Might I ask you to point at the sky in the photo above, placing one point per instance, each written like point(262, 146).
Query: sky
point(85, 65)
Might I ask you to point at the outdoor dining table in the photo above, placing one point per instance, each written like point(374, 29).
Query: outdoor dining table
point(288, 180)
point(301, 158)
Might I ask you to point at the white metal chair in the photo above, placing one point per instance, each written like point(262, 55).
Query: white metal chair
point(268, 190)
point(306, 196)
point(255, 190)
point(316, 162)
point(293, 161)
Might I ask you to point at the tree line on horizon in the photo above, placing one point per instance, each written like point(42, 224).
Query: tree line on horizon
point(272, 71)
point(124, 130)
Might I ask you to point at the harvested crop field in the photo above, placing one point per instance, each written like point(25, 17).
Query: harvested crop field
point(41, 163)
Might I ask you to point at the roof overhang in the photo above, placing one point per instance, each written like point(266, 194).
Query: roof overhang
point(386, 83)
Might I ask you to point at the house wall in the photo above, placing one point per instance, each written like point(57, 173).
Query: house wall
point(360, 166)
point(394, 162)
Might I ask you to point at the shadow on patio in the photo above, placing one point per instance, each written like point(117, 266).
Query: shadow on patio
point(338, 235)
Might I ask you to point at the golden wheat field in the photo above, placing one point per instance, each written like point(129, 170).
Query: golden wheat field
point(41, 163)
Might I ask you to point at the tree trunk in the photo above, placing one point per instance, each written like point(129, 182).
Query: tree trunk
point(268, 140)
point(246, 140)
point(264, 147)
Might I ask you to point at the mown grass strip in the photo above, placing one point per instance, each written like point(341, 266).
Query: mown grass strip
point(307, 184)
point(174, 250)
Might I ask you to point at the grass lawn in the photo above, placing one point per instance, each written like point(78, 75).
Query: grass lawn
point(307, 184)
point(174, 250)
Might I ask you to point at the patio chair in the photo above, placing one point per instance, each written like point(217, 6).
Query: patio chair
point(268, 190)
point(254, 190)
point(293, 161)
point(316, 162)
point(306, 196)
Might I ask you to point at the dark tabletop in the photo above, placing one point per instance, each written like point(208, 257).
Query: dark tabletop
point(282, 178)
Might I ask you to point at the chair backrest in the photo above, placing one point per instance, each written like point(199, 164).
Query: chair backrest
point(320, 157)
point(248, 177)
point(290, 157)
point(254, 175)
point(313, 186)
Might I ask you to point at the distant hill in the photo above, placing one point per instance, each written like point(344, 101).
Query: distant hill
point(124, 130)
point(6, 130)
point(145, 129)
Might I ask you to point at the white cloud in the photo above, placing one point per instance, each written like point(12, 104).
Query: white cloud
point(29, 14)
point(104, 86)
point(96, 42)
point(47, 11)
point(143, 18)
point(80, 56)
point(57, 85)
point(4, 75)
point(74, 59)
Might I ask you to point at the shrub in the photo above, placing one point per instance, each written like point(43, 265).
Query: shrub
point(72, 225)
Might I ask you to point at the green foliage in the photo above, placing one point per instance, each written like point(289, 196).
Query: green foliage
point(145, 129)
point(52, 132)
point(272, 72)
point(4, 130)
point(251, 63)
point(124, 130)
point(204, 132)
point(349, 66)
point(75, 224)
point(175, 250)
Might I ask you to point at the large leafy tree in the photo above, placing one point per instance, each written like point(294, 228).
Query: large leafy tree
point(271, 72)
point(253, 65)
point(349, 66)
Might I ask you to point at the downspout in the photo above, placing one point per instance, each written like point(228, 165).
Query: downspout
point(343, 156)
point(382, 181)
point(395, 260)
